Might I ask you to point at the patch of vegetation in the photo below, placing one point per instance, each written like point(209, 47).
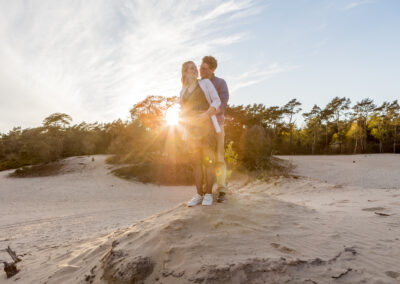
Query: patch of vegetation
point(12, 164)
point(274, 167)
point(157, 173)
point(54, 140)
point(49, 169)
point(112, 160)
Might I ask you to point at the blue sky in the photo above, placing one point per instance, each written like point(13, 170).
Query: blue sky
point(335, 48)
point(94, 59)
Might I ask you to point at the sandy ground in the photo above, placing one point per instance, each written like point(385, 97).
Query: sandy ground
point(334, 222)
point(40, 214)
point(367, 171)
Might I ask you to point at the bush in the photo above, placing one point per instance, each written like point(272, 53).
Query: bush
point(12, 164)
point(38, 170)
point(161, 173)
point(256, 149)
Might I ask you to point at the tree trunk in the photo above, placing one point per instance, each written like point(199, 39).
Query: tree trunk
point(380, 138)
point(314, 141)
point(394, 141)
point(326, 136)
point(291, 133)
point(355, 146)
point(362, 142)
point(338, 134)
point(365, 135)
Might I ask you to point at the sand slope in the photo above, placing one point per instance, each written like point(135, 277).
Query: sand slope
point(44, 217)
point(289, 230)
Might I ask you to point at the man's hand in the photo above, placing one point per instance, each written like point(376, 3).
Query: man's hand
point(211, 111)
point(204, 116)
point(207, 114)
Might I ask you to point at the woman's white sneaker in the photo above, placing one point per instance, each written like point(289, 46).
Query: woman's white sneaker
point(207, 200)
point(195, 200)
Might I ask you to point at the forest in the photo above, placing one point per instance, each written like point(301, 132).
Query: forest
point(254, 133)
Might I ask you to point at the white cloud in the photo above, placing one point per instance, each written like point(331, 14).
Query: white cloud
point(94, 59)
point(227, 8)
point(355, 4)
point(252, 9)
point(257, 75)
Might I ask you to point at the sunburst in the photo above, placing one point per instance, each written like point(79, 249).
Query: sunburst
point(172, 116)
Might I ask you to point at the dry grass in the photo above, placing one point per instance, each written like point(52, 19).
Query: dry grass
point(277, 167)
point(157, 173)
point(43, 170)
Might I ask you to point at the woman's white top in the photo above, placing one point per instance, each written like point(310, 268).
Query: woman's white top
point(211, 96)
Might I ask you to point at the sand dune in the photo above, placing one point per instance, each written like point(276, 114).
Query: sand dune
point(289, 230)
point(38, 215)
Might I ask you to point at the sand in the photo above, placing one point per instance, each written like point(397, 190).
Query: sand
point(367, 171)
point(316, 227)
point(38, 215)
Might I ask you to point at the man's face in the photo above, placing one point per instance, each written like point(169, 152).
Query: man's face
point(205, 71)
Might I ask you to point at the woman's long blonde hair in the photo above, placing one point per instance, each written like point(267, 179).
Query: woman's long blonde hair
point(185, 67)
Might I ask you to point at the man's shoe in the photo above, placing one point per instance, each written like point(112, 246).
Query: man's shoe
point(195, 200)
point(221, 197)
point(207, 200)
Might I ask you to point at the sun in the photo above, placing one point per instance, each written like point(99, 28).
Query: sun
point(172, 116)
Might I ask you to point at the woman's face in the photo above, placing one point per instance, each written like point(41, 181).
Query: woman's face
point(192, 71)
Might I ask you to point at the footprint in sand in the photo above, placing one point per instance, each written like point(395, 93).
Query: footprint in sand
point(374, 209)
point(393, 274)
point(282, 248)
point(335, 236)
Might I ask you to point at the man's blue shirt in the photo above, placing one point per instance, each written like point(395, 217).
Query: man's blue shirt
point(223, 93)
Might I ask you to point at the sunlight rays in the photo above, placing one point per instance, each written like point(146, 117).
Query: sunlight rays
point(172, 116)
point(95, 65)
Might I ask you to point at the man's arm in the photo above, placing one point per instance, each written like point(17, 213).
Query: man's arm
point(223, 95)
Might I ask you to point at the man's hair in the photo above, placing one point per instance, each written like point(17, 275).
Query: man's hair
point(211, 62)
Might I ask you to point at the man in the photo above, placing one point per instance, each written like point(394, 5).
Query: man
point(207, 69)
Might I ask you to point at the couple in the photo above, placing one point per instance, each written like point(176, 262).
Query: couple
point(203, 102)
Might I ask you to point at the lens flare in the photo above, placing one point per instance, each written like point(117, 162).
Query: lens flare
point(172, 116)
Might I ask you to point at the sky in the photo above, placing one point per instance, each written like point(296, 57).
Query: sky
point(95, 59)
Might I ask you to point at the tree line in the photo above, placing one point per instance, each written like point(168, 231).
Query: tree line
point(337, 128)
point(253, 134)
